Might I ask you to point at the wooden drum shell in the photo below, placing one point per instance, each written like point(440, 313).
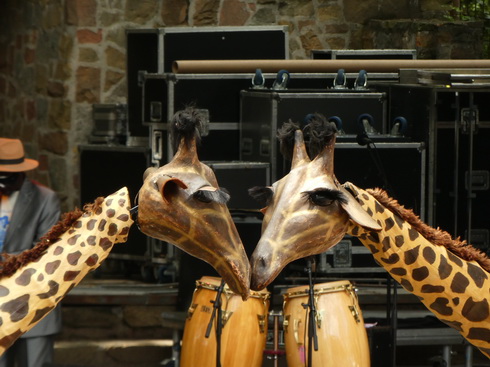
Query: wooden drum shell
point(244, 333)
point(342, 337)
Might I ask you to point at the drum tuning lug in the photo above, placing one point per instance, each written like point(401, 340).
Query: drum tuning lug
point(191, 310)
point(226, 316)
point(318, 318)
point(355, 313)
point(261, 323)
point(285, 323)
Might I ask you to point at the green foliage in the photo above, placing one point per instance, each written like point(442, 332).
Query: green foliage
point(474, 10)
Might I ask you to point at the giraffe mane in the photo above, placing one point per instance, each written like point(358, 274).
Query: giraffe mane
point(435, 236)
point(13, 263)
point(186, 125)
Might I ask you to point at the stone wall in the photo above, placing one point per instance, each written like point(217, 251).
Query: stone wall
point(58, 57)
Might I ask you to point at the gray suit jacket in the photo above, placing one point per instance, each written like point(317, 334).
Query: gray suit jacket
point(36, 210)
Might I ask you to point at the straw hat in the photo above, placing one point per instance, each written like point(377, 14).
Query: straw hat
point(12, 157)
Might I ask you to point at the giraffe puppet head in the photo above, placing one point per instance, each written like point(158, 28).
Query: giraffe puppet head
point(307, 211)
point(181, 203)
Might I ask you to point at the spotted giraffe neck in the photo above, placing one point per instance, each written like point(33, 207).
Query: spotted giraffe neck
point(448, 277)
point(31, 291)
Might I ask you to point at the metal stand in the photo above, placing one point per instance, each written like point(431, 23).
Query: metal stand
point(312, 335)
point(217, 312)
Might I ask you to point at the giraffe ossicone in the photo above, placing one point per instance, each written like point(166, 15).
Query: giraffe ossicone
point(308, 211)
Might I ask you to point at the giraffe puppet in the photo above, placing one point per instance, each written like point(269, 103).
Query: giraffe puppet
point(308, 211)
point(35, 281)
point(180, 203)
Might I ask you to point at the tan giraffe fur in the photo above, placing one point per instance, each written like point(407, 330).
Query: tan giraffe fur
point(34, 282)
point(449, 277)
point(170, 210)
point(450, 282)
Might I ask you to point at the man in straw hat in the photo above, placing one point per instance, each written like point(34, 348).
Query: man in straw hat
point(27, 212)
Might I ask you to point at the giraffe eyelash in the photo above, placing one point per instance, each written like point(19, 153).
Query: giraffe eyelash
point(324, 197)
point(261, 194)
point(220, 196)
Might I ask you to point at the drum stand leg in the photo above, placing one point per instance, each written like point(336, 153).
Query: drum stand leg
point(217, 310)
point(312, 335)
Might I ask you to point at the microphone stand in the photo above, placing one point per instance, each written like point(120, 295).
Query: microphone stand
point(217, 310)
point(312, 335)
point(364, 140)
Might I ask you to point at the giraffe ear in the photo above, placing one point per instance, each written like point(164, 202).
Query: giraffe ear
point(356, 212)
point(167, 185)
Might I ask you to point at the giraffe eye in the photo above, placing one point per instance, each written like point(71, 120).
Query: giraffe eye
point(324, 196)
point(220, 196)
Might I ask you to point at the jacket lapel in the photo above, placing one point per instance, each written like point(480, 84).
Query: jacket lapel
point(22, 208)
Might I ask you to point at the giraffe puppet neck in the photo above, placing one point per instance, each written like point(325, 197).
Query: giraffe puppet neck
point(34, 289)
point(448, 276)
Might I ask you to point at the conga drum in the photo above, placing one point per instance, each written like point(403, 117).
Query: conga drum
point(342, 338)
point(244, 327)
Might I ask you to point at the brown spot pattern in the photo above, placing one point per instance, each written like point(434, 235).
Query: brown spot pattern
point(25, 277)
point(58, 250)
point(440, 306)
point(407, 285)
point(477, 333)
point(459, 283)
point(477, 274)
point(386, 243)
point(91, 224)
point(413, 234)
point(475, 310)
point(112, 229)
point(18, 308)
point(392, 259)
point(374, 237)
point(454, 259)
point(411, 256)
point(92, 260)
point(454, 324)
point(40, 314)
point(445, 268)
point(398, 271)
point(53, 290)
point(399, 241)
point(73, 240)
point(4, 291)
point(73, 258)
point(420, 274)
point(429, 255)
point(110, 213)
point(428, 288)
point(91, 240)
point(105, 243)
point(51, 267)
point(101, 225)
point(125, 218)
point(456, 301)
point(399, 221)
point(70, 276)
point(378, 207)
